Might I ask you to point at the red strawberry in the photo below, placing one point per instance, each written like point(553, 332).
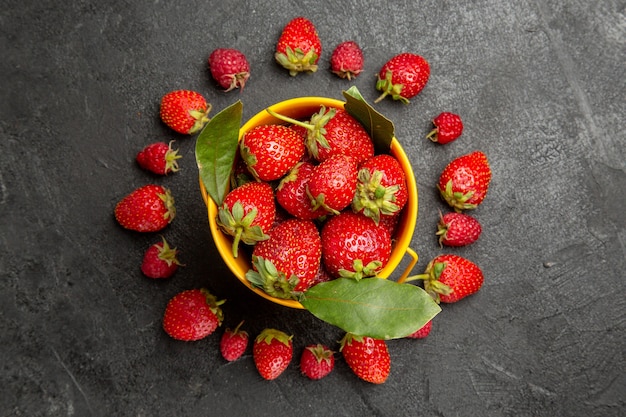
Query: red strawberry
point(403, 77)
point(270, 151)
point(160, 260)
point(450, 278)
point(159, 158)
point(465, 180)
point(272, 352)
point(185, 111)
point(147, 209)
point(381, 188)
point(422, 332)
point(287, 262)
point(333, 183)
point(299, 47)
point(354, 246)
point(448, 127)
point(347, 60)
point(229, 67)
point(247, 213)
point(390, 223)
point(458, 229)
point(291, 193)
point(368, 358)
point(317, 361)
point(233, 343)
point(192, 315)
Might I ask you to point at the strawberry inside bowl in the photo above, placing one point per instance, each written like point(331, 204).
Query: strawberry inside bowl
point(301, 109)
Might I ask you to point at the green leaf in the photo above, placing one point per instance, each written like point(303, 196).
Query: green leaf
point(373, 307)
point(380, 129)
point(216, 148)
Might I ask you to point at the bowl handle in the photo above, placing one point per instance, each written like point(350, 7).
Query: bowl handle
point(409, 268)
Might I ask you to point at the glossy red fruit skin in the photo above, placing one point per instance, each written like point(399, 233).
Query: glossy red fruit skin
point(229, 67)
point(292, 196)
point(461, 275)
point(192, 315)
point(367, 357)
point(149, 208)
point(422, 332)
point(184, 111)
point(316, 361)
point(333, 183)
point(234, 343)
point(346, 61)
point(272, 352)
point(464, 182)
point(346, 136)
point(299, 47)
point(158, 158)
point(160, 261)
point(403, 77)
point(448, 127)
point(458, 229)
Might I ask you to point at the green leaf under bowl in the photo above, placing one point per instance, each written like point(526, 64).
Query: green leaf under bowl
point(380, 129)
point(374, 307)
point(216, 149)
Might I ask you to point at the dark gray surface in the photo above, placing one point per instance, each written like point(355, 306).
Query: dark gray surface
point(540, 86)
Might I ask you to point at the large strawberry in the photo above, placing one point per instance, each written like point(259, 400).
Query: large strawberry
point(160, 260)
point(381, 188)
point(147, 209)
point(354, 246)
point(270, 151)
point(272, 352)
point(185, 111)
point(449, 278)
point(458, 229)
point(247, 213)
point(347, 60)
point(158, 158)
point(192, 315)
point(229, 67)
point(292, 196)
point(299, 46)
point(333, 183)
point(317, 361)
point(465, 180)
point(367, 357)
point(403, 77)
point(287, 263)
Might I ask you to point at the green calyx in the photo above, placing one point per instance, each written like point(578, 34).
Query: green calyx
point(239, 225)
point(274, 282)
point(297, 61)
point(168, 200)
point(456, 199)
point(361, 271)
point(201, 118)
point(214, 304)
point(388, 88)
point(431, 276)
point(267, 335)
point(171, 159)
point(167, 254)
point(320, 201)
point(372, 197)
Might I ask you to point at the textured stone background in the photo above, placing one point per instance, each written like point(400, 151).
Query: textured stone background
point(540, 86)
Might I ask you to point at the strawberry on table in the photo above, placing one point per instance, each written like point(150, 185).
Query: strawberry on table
point(185, 111)
point(367, 357)
point(247, 213)
point(159, 158)
point(458, 229)
point(346, 61)
point(233, 343)
point(448, 127)
point(160, 260)
point(299, 46)
point(422, 332)
point(192, 315)
point(272, 352)
point(464, 182)
point(403, 77)
point(147, 209)
point(229, 67)
point(316, 361)
point(333, 183)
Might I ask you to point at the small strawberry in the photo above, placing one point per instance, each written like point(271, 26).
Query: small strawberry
point(299, 47)
point(160, 261)
point(192, 315)
point(229, 67)
point(381, 189)
point(448, 127)
point(464, 182)
point(287, 263)
point(422, 332)
point(403, 77)
point(233, 343)
point(185, 111)
point(247, 213)
point(272, 352)
point(450, 278)
point(457, 229)
point(270, 151)
point(159, 158)
point(347, 60)
point(367, 357)
point(354, 246)
point(291, 193)
point(333, 183)
point(316, 361)
point(147, 209)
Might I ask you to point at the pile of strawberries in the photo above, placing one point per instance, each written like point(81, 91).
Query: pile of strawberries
point(311, 202)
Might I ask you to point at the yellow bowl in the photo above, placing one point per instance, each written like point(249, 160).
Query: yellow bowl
point(299, 108)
